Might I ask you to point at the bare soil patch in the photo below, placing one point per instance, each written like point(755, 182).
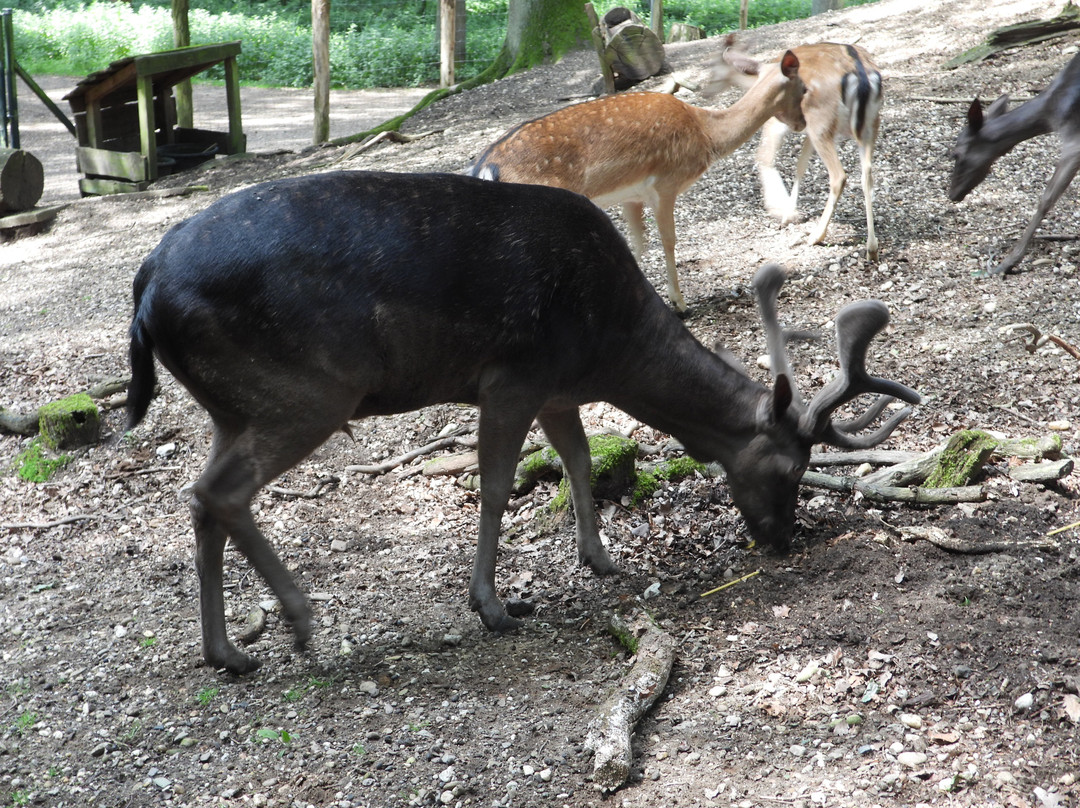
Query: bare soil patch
point(932, 677)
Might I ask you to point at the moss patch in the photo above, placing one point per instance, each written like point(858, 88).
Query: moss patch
point(613, 471)
point(964, 456)
point(32, 464)
point(70, 422)
point(678, 468)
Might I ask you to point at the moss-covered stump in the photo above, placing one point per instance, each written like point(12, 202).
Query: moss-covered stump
point(962, 459)
point(678, 468)
point(70, 422)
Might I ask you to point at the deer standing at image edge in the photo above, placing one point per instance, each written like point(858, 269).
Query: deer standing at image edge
point(292, 307)
point(986, 138)
point(843, 100)
point(641, 149)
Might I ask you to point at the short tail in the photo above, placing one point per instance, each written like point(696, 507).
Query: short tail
point(143, 377)
point(861, 95)
point(484, 171)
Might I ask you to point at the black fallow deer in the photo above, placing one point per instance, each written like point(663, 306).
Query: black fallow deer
point(986, 138)
point(292, 307)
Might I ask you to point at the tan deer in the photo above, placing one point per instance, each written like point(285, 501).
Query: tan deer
point(642, 149)
point(843, 99)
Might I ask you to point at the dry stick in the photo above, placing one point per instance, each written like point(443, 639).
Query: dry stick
point(314, 492)
point(938, 100)
point(609, 733)
point(401, 460)
point(879, 493)
point(722, 587)
point(67, 520)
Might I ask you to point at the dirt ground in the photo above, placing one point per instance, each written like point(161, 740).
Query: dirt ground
point(867, 668)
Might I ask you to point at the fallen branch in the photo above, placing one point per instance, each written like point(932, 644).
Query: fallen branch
point(67, 520)
point(391, 135)
point(401, 460)
point(879, 493)
point(329, 481)
point(609, 733)
point(1038, 339)
point(934, 99)
point(946, 541)
point(27, 423)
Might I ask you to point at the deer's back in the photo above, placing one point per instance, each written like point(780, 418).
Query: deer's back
point(398, 289)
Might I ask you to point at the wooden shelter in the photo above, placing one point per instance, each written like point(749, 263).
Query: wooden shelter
point(125, 118)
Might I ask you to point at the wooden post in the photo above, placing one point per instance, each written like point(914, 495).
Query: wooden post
point(447, 37)
point(656, 19)
point(320, 58)
point(182, 39)
point(744, 10)
point(598, 41)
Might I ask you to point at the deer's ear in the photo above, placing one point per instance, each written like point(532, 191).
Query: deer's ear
point(975, 115)
point(789, 65)
point(999, 107)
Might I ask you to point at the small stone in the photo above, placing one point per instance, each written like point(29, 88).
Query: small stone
point(911, 721)
point(120, 631)
point(339, 546)
point(165, 449)
point(545, 775)
point(1024, 702)
point(528, 770)
point(911, 759)
point(807, 673)
point(1059, 426)
point(162, 782)
point(368, 687)
point(797, 750)
point(718, 691)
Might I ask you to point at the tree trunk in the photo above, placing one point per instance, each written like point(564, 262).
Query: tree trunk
point(22, 180)
point(182, 39)
point(537, 32)
point(320, 57)
point(819, 6)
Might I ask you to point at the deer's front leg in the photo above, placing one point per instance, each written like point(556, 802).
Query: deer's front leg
point(503, 426)
point(567, 435)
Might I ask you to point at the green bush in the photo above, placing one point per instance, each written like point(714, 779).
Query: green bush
point(374, 43)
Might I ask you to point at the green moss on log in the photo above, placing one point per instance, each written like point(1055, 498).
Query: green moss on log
point(70, 422)
point(962, 459)
point(673, 470)
point(613, 472)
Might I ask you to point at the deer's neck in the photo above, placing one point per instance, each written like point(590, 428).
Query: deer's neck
point(729, 128)
point(680, 387)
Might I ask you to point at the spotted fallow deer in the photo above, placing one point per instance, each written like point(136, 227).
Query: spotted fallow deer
point(843, 99)
point(642, 149)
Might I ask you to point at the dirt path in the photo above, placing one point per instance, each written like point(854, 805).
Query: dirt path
point(274, 119)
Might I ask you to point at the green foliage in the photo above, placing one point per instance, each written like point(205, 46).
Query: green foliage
point(265, 735)
point(381, 43)
point(33, 465)
point(677, 468)
point(205, 696)
point(24, 722)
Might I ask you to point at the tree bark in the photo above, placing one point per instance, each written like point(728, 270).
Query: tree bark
point(22, 179)
point(820, 6)
point(182, 39)
point(320, 55)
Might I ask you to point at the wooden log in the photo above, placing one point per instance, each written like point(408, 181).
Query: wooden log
point(1024, 33)
point(22, 180)
point(684, 32)
point(609, 734)
point(634, 52)
point(1045, 472)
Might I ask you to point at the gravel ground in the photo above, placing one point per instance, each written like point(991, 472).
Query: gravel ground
point(866, 668)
